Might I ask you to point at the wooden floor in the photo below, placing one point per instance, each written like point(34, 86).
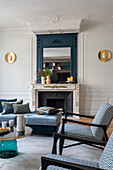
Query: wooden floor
point(109, 131)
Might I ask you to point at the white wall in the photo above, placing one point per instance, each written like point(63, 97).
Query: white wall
point(15, 78)
point(95, 76)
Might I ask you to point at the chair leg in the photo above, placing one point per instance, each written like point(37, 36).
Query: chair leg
point(61, 143)
point(54, 149)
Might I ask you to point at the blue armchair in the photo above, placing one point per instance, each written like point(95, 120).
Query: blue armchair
point(58, 162)
point(93, 135)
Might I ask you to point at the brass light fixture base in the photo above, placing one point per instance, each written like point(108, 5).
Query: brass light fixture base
point(10, 57)
point(104, 55)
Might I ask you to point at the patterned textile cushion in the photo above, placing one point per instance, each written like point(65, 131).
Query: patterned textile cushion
point(6, 100)
point(8, 106)
point(73, 160)
point(1, 108)
point(106, 159)
point(21, 108)
point(46, 110)
point(11, 100)
point(77, 130)
point(103, 117)
point(52, 167)
point(19, 102)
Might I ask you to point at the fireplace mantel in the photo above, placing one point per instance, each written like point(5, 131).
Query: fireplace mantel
point(35, 88)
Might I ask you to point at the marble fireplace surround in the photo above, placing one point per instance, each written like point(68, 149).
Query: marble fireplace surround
point(36, 88)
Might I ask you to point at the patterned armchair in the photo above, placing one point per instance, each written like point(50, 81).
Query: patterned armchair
point(58, 162)
point(93, 135)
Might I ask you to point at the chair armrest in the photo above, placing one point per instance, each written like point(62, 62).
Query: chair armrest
point(45, 162)
point(83, 123)
point(80, 139)
point(80, 115)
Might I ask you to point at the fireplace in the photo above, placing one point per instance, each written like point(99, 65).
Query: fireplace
point(64, 96)
point(62, 100)
point(57, 103)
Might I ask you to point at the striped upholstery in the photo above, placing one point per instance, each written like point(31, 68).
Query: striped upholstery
point(77, 130)
point(103, 117)
point(106, 159)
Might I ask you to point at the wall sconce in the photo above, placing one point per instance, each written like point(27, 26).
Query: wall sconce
point(104, 55)
point(10, 57)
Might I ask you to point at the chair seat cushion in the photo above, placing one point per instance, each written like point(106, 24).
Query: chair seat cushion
point(73, 160)
point(77, 130)
point(106, 159)
point(48, 120)
point(52, 167)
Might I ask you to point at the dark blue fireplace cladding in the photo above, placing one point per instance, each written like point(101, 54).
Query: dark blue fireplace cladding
point(62, 100)
point(58, 41)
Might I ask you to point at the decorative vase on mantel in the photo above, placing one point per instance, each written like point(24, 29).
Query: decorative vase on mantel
point(42, 80)
point(48, 80)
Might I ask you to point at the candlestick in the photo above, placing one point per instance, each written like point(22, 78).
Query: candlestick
point(71, 78)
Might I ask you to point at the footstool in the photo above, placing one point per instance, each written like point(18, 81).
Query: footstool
point(43, 124)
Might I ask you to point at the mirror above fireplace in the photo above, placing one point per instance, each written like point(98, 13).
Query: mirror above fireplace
point(60, 42)
point(58, 60)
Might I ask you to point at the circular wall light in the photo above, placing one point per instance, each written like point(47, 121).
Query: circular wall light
point(104, 55)
point(10, 57)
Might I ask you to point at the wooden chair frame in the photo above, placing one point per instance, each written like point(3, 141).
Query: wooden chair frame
point(81, 140)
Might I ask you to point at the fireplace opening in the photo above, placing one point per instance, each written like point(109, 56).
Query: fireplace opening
point(61, 100)
point(57, 103)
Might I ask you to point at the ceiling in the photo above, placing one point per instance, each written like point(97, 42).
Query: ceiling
point(55, 15)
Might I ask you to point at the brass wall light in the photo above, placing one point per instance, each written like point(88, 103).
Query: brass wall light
point(10, 57)
point(104, 55)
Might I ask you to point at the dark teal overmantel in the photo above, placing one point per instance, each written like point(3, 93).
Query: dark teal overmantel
point(58, 40)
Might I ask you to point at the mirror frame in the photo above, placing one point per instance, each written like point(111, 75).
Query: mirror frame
point(54, 41)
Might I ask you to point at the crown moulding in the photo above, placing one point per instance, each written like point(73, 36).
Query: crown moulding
point(60, 27)
point(48, 23)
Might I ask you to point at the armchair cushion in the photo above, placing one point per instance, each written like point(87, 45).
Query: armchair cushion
point(74, 160)
point(103, 117)
point(106, 159)
point(52, 167)
point(77, 130)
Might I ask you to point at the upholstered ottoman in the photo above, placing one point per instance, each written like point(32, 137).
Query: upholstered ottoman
point(43, 124)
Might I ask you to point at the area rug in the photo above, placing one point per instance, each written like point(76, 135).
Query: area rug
point(33, 147)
